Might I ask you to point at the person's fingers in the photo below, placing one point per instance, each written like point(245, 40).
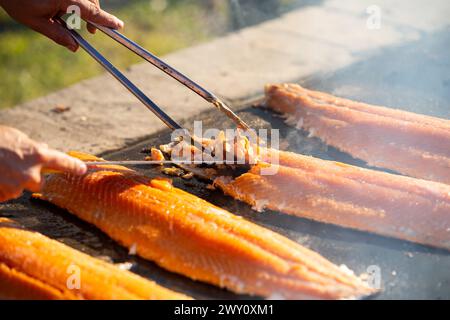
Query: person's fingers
point(56, 32)
point(3, 196)
point(42, 145)
point(34, 179)
point(91, 28)
point(55, 160)
point(6, 195)
point(16, 194)
point(91, 11)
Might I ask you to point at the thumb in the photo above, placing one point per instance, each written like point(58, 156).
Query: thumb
point(92, 12)
point(56, 32)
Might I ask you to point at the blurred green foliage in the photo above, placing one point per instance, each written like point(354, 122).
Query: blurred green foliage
point(31, 65)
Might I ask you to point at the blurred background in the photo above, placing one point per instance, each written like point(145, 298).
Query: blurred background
point(32, 66)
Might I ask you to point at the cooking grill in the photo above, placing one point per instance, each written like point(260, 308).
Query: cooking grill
point(407, 270)
point(411, 74)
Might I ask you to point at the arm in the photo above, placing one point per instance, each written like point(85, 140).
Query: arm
point(39, 14)
point(21, 162)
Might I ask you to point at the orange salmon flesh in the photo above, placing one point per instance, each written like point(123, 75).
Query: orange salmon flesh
point(411, 144)
point(33, 266)
point(187, 235)
point(332, 192)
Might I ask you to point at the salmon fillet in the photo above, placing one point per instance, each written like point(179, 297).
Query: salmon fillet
point(33, 266)
point(332, 192)
point(409, 143)
point(187, 235)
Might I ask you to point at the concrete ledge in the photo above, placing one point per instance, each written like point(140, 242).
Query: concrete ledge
point(325, 38)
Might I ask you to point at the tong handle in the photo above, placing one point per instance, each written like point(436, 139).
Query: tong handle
point(123, 79)
point(157, 62)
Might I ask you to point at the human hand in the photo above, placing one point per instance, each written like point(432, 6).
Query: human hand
point(39, 15)
point(22, 160)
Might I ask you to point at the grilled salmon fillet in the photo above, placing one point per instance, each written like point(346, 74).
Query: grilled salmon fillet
point(332, 192)
point(187, 235)
point(409, 143)
point(33, 266)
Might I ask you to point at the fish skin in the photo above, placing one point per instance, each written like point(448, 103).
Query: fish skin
point(411, 144)
point(187, 235)
point(332, 192)
point(33, 266)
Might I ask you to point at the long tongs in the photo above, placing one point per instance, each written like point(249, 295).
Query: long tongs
point(148, 56)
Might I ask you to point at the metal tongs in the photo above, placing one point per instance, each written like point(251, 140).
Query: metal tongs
point(148, 56)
